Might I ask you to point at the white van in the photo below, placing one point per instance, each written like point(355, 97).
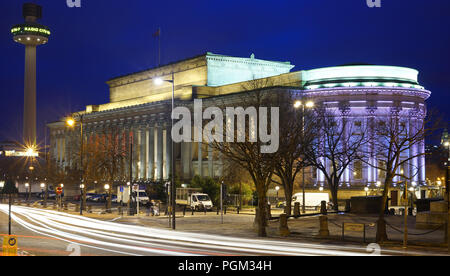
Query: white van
point(194, 199)
point(123, 195)
point(312, 200)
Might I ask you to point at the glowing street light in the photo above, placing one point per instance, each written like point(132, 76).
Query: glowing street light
point(367, 190)
point(70, 122)
point(159, 82)
point(107, 186)
point(297, 105)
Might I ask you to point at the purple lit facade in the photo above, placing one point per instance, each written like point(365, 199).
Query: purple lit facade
point(360, 94)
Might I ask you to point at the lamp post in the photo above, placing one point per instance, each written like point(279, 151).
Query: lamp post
point(71, 123)
point(108, 188)
point(367, 190)
point(297, 105)
point(42, 194)
point(27, 188)
point(159, 81)
point(81, 198)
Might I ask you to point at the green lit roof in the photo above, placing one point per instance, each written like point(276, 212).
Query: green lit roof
point(361, 75)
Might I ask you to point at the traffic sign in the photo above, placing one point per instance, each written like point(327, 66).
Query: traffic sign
point(135, 187)
point(59, 190)
point(10, 246)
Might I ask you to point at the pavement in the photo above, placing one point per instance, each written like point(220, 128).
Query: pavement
point(303, 230)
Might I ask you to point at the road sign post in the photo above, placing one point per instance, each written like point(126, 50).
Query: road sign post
point(10, 245)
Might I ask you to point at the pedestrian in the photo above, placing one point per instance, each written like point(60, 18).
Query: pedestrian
point(149, 208)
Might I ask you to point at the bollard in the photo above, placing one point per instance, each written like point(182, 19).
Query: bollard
point(323, 207)
point(297, 209)
point(323, 232)
point(192, 211)
point(225, 210)
point(217, 210)
point(77, 207)
point(238, 210)
point(284, 230)
point(184, 211)
point(204, 209)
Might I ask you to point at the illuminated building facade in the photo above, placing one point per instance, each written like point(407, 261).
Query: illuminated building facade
point(140, 109)
point(361, 93)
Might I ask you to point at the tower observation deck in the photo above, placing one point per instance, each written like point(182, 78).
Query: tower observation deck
point(31, 34)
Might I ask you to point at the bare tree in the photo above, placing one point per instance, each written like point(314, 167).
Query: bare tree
point(396, 142)
point(247, 153)
point(297, 134)
point(337, 145)
point(109, 158)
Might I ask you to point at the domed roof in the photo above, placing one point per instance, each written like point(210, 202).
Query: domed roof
point(361, 75)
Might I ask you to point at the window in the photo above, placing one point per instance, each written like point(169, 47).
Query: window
point(357, 170)
point(381, 171)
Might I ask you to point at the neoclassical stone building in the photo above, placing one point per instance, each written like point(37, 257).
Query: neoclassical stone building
point(140, 109)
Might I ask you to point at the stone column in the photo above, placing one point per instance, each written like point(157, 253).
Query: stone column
point(150, 153)
point(135, 138)
point(159, 153)
point(200, 159)
point(210, 161)
point(168, 153)
point(186, 159)
point(142, 153)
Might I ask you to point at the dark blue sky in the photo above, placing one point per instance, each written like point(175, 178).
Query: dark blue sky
point(108, 38)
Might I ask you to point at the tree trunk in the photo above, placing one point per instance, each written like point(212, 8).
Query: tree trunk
point(262, 206)
point(381, 223)
point(334, 197)
point(288, 196)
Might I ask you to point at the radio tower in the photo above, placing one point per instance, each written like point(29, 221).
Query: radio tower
point(31, 34)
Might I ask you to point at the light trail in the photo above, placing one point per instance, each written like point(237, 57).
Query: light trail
point(125, 239)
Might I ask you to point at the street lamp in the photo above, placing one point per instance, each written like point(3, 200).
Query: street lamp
point(81, 198)
point(297, 105)
point(27, 186)
point(367, 190)
point(277, 188)
point(108, 188)
point(158, 82)
point(71, 123)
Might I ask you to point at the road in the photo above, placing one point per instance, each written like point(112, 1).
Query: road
point(48, 232)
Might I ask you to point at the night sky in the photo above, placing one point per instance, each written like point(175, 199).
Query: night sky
point(109, 38)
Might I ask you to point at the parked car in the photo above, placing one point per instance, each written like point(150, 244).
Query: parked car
point(51, 195)
point(91, 196)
